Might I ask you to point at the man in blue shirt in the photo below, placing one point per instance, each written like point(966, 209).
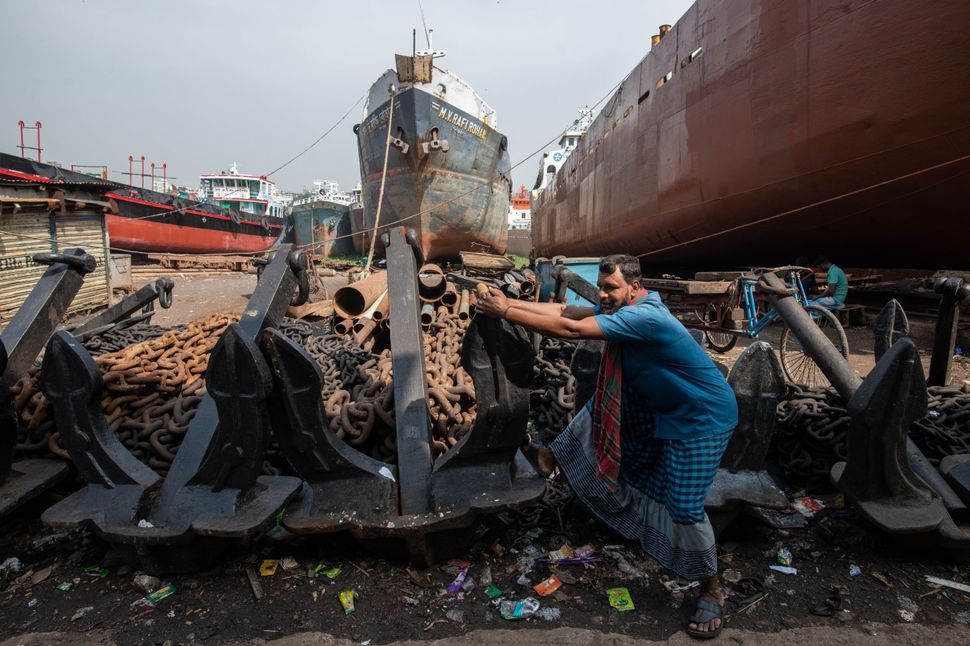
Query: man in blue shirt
point(838, 284)
point(644, 451)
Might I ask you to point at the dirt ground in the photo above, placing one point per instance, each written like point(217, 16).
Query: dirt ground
point(68, 586)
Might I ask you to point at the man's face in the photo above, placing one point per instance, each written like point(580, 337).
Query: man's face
point(615, 292)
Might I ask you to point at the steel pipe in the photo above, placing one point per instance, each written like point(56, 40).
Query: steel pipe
point(431, 283)
point(354, 299)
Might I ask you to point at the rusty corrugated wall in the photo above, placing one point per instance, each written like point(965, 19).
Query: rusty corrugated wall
point(33, 230)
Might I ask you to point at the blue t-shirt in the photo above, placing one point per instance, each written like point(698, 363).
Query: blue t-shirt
point(835, 276)
point(670, 372)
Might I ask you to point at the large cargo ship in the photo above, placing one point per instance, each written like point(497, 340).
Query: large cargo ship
point(147, 221)
point(757, 132)
point(448, 170)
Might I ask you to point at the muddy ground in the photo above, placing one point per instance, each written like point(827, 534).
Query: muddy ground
point(72, 582)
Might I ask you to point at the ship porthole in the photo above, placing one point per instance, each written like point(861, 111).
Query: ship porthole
point(356, 128)
point(203, 219)
point(504, 143)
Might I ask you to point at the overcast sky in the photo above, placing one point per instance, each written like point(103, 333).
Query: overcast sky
point(201, 84)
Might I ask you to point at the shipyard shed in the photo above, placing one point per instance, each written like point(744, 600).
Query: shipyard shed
point(40, 216)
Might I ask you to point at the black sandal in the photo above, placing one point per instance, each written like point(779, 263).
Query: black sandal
point(710, 610)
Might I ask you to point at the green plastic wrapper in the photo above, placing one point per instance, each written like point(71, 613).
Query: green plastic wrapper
point(620, 599)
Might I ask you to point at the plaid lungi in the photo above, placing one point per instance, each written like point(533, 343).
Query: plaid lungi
point(660, 498)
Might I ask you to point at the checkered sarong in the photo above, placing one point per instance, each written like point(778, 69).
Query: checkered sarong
point(663, 483)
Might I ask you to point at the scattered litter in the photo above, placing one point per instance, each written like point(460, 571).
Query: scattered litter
point(65, 586)
point(947, 583)
point(332, 573)
point(731, 576)
point(156, 596)
point(549, 614)
point(486, 578)
point(145, 524)
point(673, 585)
point(346, 599)
point(386, 472)
point(584, 550)
point(548, 586)
point(33, 602)
point(455, 615)
point(564, 552)
point(146, 583)
point(492, 592)
point(784, 556)
point(95, 571)
point(620, 599)
point(254, 583)
point(81, 612)
point(420, 580)
point(566, 577)
point(613, 551)
point(524, 609)
point(907, 607)
point(808, 506)
point(854, 570)
point(268, 567)
point(456, 585)
point(784, 569)
point(289, 563)
point(41, 575)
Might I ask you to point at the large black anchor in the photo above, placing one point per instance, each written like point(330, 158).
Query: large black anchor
point(21, 342)
point(213, 491)
point(885, 476)
point(420, 504)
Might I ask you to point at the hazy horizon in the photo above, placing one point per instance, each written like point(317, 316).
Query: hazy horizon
point(202, 85)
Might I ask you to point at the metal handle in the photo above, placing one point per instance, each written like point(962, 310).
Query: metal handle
point(82, 262)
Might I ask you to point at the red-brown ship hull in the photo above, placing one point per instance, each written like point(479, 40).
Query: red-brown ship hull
point(835, 126)
point(145, 236)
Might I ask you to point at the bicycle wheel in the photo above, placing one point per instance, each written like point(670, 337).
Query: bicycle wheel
point(717, 341)
point(798, 365)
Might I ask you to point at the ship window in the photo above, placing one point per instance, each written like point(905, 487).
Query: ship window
point(690, 57)
point(643, 97)
point(663, 79)
point(551, 169)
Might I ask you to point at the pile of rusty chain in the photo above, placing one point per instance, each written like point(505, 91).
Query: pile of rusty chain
point(553, 389)
point(117, 340)
point(151, 392)
point(358, 392)
point(813, 426)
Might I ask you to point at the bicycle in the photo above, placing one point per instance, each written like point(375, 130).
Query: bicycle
point(723, 323)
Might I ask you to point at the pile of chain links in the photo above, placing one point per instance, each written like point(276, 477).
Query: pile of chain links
point(553, 389)
point(117, 340)
point(358, 392)
point(813, 428)
point(151, 392)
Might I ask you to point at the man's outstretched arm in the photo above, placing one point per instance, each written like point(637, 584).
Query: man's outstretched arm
point(547, 321)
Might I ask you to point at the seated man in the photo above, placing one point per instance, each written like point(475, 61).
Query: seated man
point(838, 285)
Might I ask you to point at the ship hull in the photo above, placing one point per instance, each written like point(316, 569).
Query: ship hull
point(323, 228)
point(829, 127)
point(455, 200)
point(146, 226)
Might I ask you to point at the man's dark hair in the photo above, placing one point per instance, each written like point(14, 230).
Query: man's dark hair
point(820, 260)
point(628, 265)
